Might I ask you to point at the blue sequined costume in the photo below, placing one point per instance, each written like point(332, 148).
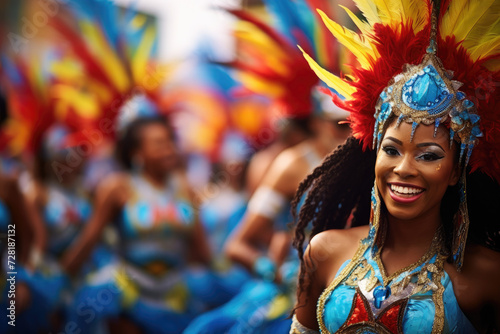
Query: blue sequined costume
point(149, 283)
point(416, 299)
point(64, 214)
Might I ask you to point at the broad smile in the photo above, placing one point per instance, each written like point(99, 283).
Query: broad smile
point(405, 193)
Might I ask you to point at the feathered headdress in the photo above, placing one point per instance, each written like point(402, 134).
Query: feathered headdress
point(398, 33)
point(269, 63)
point(109, 61)
point(425, 65)
point(100, 58)
point(29, 105)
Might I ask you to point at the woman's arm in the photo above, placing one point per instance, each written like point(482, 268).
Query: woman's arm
point(251, 240)
point(109, 198)
point(325, 254)
point(17, 205)
point(309, 291)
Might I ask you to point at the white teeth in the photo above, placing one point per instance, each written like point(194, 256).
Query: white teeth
point(405, 190)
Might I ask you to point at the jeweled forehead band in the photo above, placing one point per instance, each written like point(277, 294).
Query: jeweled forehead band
point(425, 93)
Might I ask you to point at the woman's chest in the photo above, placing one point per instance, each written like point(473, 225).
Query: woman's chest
point(421, 300)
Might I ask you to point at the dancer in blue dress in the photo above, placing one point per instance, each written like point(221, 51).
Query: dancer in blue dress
point(418, 140)
point(149, 288)
point(61, 207)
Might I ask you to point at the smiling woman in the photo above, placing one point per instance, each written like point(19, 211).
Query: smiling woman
point(415, 268)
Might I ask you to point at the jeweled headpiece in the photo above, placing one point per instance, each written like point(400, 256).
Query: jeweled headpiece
point(425, 65)
point(426, 94)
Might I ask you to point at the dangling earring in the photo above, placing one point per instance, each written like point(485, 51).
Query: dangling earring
point(376, 231)
point(461, 226)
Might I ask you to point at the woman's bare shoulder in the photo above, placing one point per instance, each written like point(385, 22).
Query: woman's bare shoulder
point(115, 188)
point(328, 250)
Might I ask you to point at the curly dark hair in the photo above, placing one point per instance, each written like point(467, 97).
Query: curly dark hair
point(332, 196)
point(130, 140)
point(341, 187)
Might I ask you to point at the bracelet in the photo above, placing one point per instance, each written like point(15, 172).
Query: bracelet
point(265, 268)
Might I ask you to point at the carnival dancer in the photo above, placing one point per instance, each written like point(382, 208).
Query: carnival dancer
point(154, 210)
point(424, 109)
point(22, 135)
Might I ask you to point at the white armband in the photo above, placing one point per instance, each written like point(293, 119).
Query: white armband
point(298, 328)
point(267, 202)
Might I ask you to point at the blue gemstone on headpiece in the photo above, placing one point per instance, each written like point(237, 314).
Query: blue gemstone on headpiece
point(463, 146)
point(474, 118)
point(468, 104)
point(383, 95)
point(460, 95)
point(413, 128)
point(427, 91)
point(436, 125)
point(476, 131)
point(400, 119)
point(457, 120)
point(385, 111)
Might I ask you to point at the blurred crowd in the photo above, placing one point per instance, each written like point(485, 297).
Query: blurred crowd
point(143, 197)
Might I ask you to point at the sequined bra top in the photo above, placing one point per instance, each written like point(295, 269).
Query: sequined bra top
point(65, 214)
point(417, 299)
point(155, 225)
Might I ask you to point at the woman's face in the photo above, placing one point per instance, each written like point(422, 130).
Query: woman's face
point(157, 149)
point(412, 177)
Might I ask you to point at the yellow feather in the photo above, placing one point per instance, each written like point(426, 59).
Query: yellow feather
point(476, 24)
point(389, 11)
point(417, 11)
point(493, 64)
point(362, 49)
point(333, 81)
point(475, 16)
point(452, 17)
point(369, 10)
point(83, 103)
point(112, 65)
point(261, 86)
point(262, 44)
point(362, 26)
point(266, 49)
point(491, 47)
point(140, 60)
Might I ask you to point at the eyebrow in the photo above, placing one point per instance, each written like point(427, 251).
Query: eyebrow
point(399, 142)
point(430, 144)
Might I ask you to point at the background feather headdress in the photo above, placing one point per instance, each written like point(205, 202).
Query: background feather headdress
point(96, 58)
point(268, 61)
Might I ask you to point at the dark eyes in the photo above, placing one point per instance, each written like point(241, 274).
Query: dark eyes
point(427, 156)
point(389, 150)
